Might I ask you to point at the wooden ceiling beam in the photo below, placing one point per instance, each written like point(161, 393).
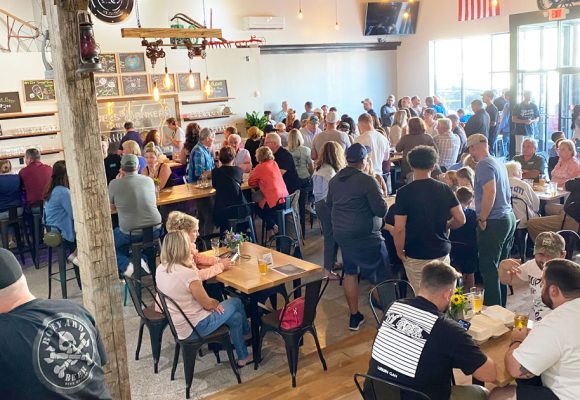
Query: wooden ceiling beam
point(184, 33)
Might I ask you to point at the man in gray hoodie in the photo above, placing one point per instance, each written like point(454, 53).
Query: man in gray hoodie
point(357, 208)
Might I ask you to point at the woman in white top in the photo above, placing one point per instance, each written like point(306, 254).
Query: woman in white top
point(243, 158)
point(178, 278)
point(399, 127)
point(523, 191)
point(330, 161)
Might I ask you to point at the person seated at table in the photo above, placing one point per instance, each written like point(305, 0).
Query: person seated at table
point(132, 147)
point(553, 156)
point(548, 245)
point(58, 213)
point(208, 266)
point(201, 160)
point(284, 160)
point(191, 139)
point(547, 355)
point(242, 157)
point(178, 278)
point(112, 160)
point(533, 164)
point(418, 345)
point(133, 197)
point(464, 239)
point(466, 177)
point(10, 194)
point(154, 137)
point(34, 177)
point(228, 131)
point(254, 141)
point(227, 181)
point(268, 179)
point(156, 170)
point(528, 205)
point(568, 166)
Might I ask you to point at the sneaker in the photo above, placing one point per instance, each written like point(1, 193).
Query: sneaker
point(129, 271)
point(145, 266)
point(73, 259)
point(356, 320)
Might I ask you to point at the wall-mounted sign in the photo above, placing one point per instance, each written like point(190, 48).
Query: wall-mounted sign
point(134, 85)
point(160, 78)
point(547, 4)
point(109, 63)
point(9, 103)
point(219, 89)
point(39, 90)
point(107, 86)
point(183, 82)
point(131, 62)
point(111, 11)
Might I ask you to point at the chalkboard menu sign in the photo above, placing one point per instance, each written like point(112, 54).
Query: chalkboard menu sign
point(39, 90)
point(160, 78)
point(183, 82)
point(131, 62)
point(219, 89)
point(9, 103)
point(109, 63)
point(134, 85)
point(107, 86)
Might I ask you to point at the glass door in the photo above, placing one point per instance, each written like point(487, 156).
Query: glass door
point(570, 95)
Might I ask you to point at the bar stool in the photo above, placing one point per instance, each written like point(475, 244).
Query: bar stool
point(287, 208)
point(54, 240)
point(240, 215)
point(144, 241)
point(14, 220)
point(35, 231)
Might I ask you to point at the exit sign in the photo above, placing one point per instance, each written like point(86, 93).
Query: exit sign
point(557, 14)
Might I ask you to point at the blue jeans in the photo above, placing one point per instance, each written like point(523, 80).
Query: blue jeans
point(234, 317)
point(123, 244)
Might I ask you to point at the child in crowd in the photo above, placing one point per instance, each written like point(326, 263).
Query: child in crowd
point(464, 240)
point(466, 177)
point(450, 180)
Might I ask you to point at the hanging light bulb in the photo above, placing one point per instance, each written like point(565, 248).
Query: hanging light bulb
point(406, 15)
point(207, 89)
point(300, 15)
point(155, 91)
point(167, 79)
point(336, 26)
point(494, 3)
point(191, 80)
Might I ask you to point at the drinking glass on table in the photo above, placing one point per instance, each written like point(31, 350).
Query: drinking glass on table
point(477, 299)
point(215, 245)
point(262, 266)
point(520, 321)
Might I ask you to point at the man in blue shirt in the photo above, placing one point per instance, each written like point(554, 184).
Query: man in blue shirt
point(496, 220)
point(201, 160)
point(130, 134)
point(525, 117)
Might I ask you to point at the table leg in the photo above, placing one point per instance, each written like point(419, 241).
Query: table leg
point(255, 327)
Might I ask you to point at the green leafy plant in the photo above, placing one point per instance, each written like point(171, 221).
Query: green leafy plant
point(257, 120)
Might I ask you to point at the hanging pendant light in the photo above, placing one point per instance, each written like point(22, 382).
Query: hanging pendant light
point(336, 24)
point(191, 80)
point(300, 14)
point(207, 89)
point(155, 91)
point(166, 78)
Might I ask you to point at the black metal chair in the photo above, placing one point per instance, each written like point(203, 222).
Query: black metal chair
point(242, 214)
point(284, 244)
point(15, 221)
point(385, 293)
point(521, 234)
point(292, 338)
point(61, 251)
point(156, 322)
point(190, 348)
point(144, 242)
point(379, 389)
point(572, 240)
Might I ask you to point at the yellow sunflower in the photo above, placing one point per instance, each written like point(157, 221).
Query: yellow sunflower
point(456, 299)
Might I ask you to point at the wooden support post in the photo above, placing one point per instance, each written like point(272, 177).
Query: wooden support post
point(78, 117)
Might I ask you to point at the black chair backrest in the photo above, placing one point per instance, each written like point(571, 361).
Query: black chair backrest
point(516, 200)
point(138, 302)
point(282, 243)
point(572, 240)
point(385, 293)
point(164, 301)
point(240, 211)
point(313, 294)
point(146, 232)
point(379, 389)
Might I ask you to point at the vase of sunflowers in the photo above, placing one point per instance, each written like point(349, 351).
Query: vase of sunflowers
point(459, 304)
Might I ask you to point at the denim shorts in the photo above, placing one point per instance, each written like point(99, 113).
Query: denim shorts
point(371, 258)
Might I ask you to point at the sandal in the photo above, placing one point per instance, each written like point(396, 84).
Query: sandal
point(332, 276)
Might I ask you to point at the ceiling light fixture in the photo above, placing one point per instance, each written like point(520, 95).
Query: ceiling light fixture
point(155, 91)
point(300, 14)
point(336, 24)
point(166, 78)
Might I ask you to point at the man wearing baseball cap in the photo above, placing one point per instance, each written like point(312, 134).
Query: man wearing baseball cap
point(496, 220)
point(357, 210)
point(49, 349)
point(549, 245)
point(330, 134)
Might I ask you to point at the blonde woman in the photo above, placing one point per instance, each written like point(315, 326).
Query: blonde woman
point(370, 170)
point(178, 278)
point(255, 140)
point(466, 177)
point(132, 147)
point(155, 169)
point(304, 168)
point(399, 127)
point(568, 166)
point(291, 121)
point(208, 266)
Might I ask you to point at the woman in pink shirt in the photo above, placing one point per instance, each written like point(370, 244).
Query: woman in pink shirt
point(268, 178)
point(568, 166)
point(178, 278)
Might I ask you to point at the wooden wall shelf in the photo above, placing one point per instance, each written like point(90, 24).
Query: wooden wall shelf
point(220, 100)
point(28, 135)
point(27, 115)
point(204, 118)
point(43, 152)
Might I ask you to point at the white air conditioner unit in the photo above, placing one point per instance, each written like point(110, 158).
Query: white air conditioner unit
point(263, 23)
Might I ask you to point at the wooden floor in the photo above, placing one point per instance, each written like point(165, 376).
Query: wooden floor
point(344, 358)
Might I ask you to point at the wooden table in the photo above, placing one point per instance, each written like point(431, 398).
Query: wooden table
point(190, 191)
point(396, 157)
point(247, 280)
point(549, 197)
point(174, 164)
point(496, 348)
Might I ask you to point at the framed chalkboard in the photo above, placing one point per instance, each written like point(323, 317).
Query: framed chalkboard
point(183, 82)
point(36, 90)
point(109, 63)
point(131, 62)
point(107, 86)
point(160, 78)
point(10, 103)
point(219, 89)
point(134, 84)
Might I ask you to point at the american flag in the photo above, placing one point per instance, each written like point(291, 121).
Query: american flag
point(476, 9)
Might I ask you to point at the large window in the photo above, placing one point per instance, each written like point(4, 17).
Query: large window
point(461, 69)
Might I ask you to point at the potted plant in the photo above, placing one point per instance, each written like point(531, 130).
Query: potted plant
point(459, 303)
point(254, 119)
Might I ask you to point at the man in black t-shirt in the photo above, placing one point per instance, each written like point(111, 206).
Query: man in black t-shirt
point(285, 162)
point(493, 113)
point(524, 117)
point(112, 160)
point(426, 209)
point(418, 346)
point(49, 349)
point(479, 121)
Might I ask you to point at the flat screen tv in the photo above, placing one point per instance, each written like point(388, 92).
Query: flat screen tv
point(391, 18)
